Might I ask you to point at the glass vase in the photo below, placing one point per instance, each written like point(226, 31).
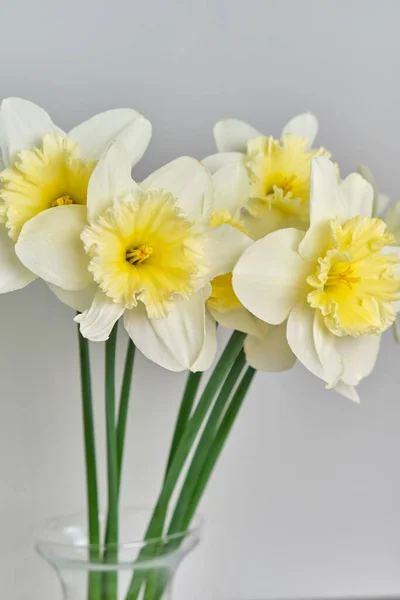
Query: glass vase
point(129, 570)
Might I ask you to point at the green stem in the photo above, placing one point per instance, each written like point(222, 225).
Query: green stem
point(216, 448)
point(188, 399)
point(202, 451)
point(208, 450)
point(124, 405)
point(110, 582)
point(90, 460)
point(156, 525)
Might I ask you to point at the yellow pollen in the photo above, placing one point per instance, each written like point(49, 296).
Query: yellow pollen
point(288, 183)
point(135, 256)
point(63, 201)
point(345, 276)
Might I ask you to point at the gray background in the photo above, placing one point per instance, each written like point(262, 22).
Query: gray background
point(306, 499)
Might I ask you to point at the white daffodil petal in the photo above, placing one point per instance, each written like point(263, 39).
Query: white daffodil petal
point(79, 300)
point(304, 125)
point(270, 353)
point(175, 342)
point(224, 246)
point(209, 349)
point(326, 197)
point(221, 159)
point(13, 274)
point(97, 322)
point(315, 241)
point(300, 336)
point(270, 277)
point(358, 195)
point(49, 245)
point(348, 391)
point(110, 180)
point(121, 124)
point(358, 355)
point(232, 135)
point(189, 182)
point(241, 320)
point(140, 330)
point(393, 221)
point(325, 346)
point(22, 125)
point(231, 187)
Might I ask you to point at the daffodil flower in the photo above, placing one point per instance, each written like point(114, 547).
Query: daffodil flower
point(338, 284)
point(275, 173)
point(151, 254)
point(47, 173)
point(265, 346)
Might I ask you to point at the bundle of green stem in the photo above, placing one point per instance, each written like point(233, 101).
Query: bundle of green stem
point(201, 429)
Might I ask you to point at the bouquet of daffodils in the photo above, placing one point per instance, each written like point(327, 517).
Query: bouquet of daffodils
point(262, 237)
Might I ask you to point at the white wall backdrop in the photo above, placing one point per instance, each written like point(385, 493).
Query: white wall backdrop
point(306, 499)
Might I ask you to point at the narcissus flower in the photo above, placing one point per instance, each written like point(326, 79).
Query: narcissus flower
point(266, 346)
point(47, 171)
point(151, 255)
point(338, 284)
point(275, 173)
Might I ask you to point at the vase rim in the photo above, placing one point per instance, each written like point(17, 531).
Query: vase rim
point(60, 535)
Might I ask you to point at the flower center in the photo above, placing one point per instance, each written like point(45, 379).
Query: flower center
point(143, 249)
point(342, 272)
point(136, 256)
point(279, 172)
point(357, 281)
point(41, 178)
point(62, 201)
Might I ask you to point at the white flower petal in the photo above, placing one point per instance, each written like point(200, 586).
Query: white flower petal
point(97, 322)
point(358, 355)
point(80, 300)
point(209, 349)
point(314, 243)
point(231, 187)
point(325, 346)
point(175, 342)
point(270, 277)
point(225, 245)
point(110, 180)
point(189, 182)
point(348, 391)
point(241, 320)
point(221, 159)
point(393, 221)
point(304, 125)
point(300, 335)
point(121, 124)
point(358, 195)
point(13, 274)
point(326, 197)
point(232, 135)
point(270, 353)
point(22, 125)
point(49, 245)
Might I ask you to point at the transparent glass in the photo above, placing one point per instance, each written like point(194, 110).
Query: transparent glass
point(130, 570)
